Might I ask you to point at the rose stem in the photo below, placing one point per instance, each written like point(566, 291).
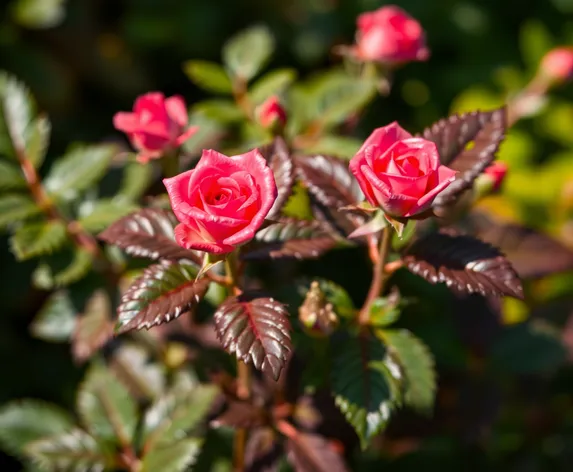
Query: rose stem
point(243, 372)
point(379, 276)
point(170, 163)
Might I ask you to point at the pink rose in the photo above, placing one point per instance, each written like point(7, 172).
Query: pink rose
point(271, 113)
point(222, 202)
point(156, 125)
point(399, 173)
point(390, 35)
point(496, 174)
point(557, 64)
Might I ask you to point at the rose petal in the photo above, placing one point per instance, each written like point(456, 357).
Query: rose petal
point(409, 186)
point(149, 142)
point(176, 110)
point(385, 137)
point(125, 121)
point(186, 135)
point(425, 202)
point(190, 239)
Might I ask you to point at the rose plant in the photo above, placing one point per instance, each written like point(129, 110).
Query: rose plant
point(225, 279)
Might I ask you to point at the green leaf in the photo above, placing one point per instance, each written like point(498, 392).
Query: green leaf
point(94, 327)
point(528, 348)
point(362, 391)
point(38, 13)
point(384, 312)
point(80, 168)
point(36, 239)
point(105, 407)
point(11, 177)
point(136, 179)
point(96, 216)
point(38, 140)
point(17, 111)
point(417, 363)
point(340, 146)
point(209, 76)
point(535, 40)
point(221, 111)
point(179, 410)
point(72, 451)
point(56, 319)
point(14, 208)
point(247, 53)
point(63, 269)
point(273, 83)
point(175, 457)
point(24, 421)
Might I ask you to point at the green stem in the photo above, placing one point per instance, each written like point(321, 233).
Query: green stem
point(379, 276)
point(170, 164)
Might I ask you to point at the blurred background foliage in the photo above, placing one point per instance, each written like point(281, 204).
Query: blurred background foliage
point(86, 59)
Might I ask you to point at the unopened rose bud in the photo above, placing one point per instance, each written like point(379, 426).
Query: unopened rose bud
point(316, 314)
point(557, 64)
point(271, 114)
point(491, 180)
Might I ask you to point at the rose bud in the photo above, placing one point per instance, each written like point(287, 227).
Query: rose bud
point(156, 125)
point(557, 64)
point(398, 173)
point(391, 36)
point(222, 202)
point(270, 114)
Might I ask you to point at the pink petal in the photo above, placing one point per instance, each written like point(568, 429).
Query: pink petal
point(125, 121)
point(385, 137)
point(176, 110)
point(190, 239)
point(149, 142)
point(186, 135)
point(149, 101)
point(425, 202)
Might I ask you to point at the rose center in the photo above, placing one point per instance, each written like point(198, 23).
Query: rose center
point(409, 165)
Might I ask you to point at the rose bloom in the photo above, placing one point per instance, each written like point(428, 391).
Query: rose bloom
point(399, 173)
point(557, 64)
point(496, 174)
point(157, 125)
point(271, 113)
point(222, 202)
point(390, 35)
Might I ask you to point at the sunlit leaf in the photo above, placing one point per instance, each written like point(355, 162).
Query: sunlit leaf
point(105, 407)
point(247, 53)
point(80, 168)
point(464, 264)
point(273, 83)
point(72, 451)
point(14, 208)
point(56, 319)
point(39, 13)
point(313, 453)
point(174, 457)
point(333, 145)
point(36, 239)
point(257, 330)
point(38, 140)
point(96, 216)
point(161, 294)
point(17, 111)
point(209, 76)
point(535, 40)
point(136, 179)
point(22, 422)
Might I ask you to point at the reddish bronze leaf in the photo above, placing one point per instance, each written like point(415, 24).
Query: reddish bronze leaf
point(313, 453)
point(240, 414)
point(263, 451)
point(331, 186)
point(467, 143)
point(531, 253)
point(161, 294)
point(148, 233)
point(464, 264)
point(281, 163)
point(257, 330)
point(291, 238)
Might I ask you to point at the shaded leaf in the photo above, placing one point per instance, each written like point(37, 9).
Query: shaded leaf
point(38, 13)
point(72, 451)
point(221, 111)
point(144, 379)
point(105, 407)
point(257, 330)
point(273, 83)
point(136, 179)
point(180, 410)
point(453, 135)
point(418, 366)
point(38, 140)
point(94, 327)
point(531, 253)
point(263, 451)
point(148, 233)
point(281, 163)
point(362, 392)
point(56, 320)
point(240, 414)
point(464, 264)
point(161, 294)
point(175, 457)
point(209, 76)
point(333, 145)
point(22, 422)
point(313, 453)
point(247, 53)
point(36, 239)
point(528, 348)
point(14, 208)
point(96, 216)
point(72, 267)
point(11, 177)
point(80, 168)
